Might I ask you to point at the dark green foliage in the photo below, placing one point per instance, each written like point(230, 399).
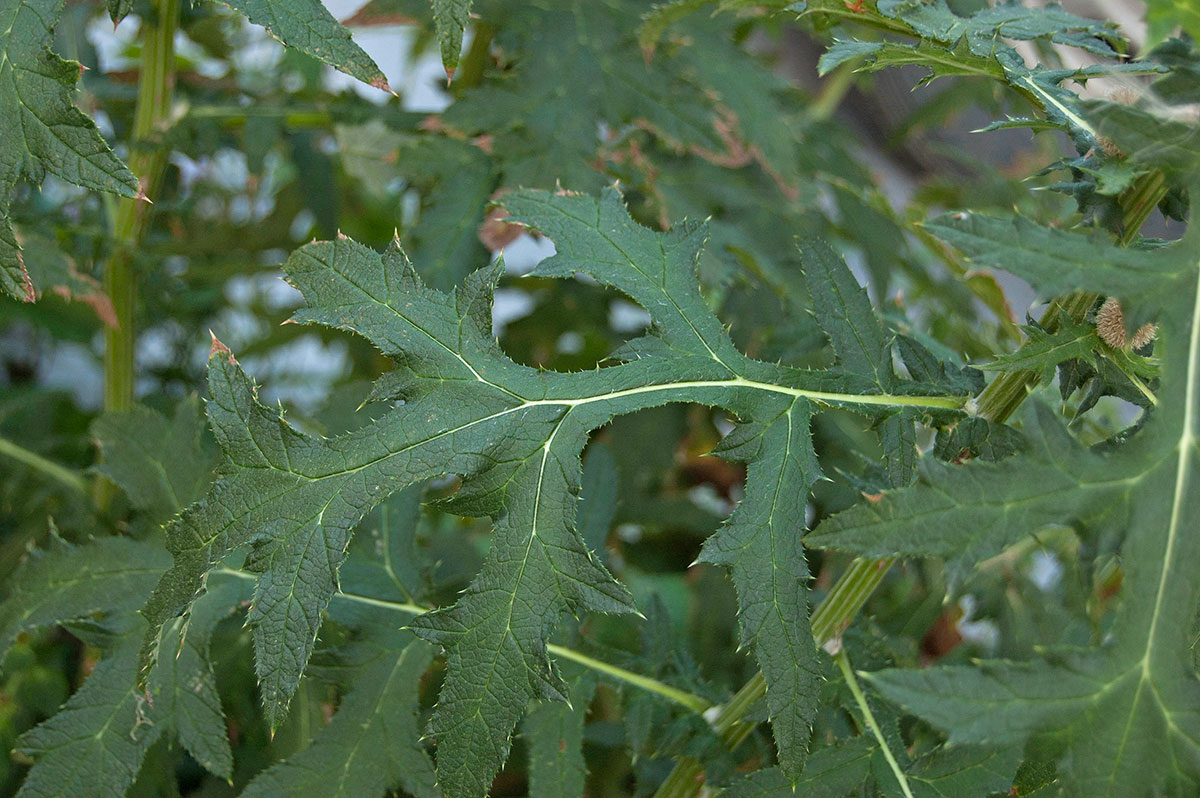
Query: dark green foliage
point(591, 530)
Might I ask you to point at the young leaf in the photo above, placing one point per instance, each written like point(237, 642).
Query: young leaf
point(1043, 351)
point(513, 433)
point(45, 132)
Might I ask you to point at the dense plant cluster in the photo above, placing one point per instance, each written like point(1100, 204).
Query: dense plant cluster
point(618, 430)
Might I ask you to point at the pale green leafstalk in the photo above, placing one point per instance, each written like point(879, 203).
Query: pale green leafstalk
point(689, 700)
point(843, 663)
point(61, 474)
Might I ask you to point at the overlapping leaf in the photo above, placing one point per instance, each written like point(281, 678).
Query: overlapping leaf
point(514, 435)
point(308, 26)
point(1127, 713)
point(543, 132)
point(96, 743)
point(372, 744)
point(43, 130)
point(160, 463)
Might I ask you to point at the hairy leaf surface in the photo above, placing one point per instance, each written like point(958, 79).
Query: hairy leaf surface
point(514, 435)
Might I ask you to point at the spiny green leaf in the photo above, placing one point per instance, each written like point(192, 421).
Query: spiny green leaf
point(371, 747)
point(45, 132)
point(513, 433)
point(308, 26)
point(833, 771)
point(598, 498)
point(875, 56)
point(984, 29)
point(1052, 259)
point(845, 314)
point(972, 512)
point(1042, 351)
point(65, 582)
point(456, 180)
point(450, 18)
point(1128, 712)
point(977, 438)
point(183, 690)
point(761, 544)
point(693, 97)
point(96, 743)
point(952, 771)
point(388, 535)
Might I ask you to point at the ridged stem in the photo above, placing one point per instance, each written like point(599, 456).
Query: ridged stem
point(147, 159)
point(156, 84)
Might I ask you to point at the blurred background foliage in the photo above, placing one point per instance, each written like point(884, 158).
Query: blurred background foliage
point(726, 120)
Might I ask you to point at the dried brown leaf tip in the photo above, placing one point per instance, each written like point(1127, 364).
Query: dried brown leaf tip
point(1110, 325)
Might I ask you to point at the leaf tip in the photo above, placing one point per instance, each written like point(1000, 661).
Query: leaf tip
point(380, 82)
point(219, 348)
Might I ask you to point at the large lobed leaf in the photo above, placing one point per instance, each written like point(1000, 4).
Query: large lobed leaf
point(514, 435)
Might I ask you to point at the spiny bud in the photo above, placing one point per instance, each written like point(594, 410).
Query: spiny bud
point(1110, 324)
point(1110, 149)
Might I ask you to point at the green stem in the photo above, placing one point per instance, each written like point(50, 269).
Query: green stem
point(693, 702)
point(72, 479)
point(833, 91)
point(147, 159)
point(843, 662)
point(689, 700)
point(832, 616)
